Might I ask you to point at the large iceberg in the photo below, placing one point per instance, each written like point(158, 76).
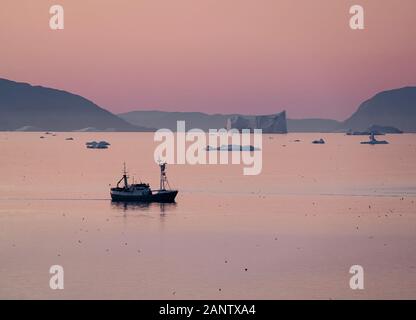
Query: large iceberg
point(275, 123)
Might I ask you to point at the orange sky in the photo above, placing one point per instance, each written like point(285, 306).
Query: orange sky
point(246, 56)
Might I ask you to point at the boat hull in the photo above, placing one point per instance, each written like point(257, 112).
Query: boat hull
point(163, 196)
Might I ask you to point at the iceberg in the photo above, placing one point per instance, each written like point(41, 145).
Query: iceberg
point(275, 123)
point(232, 147)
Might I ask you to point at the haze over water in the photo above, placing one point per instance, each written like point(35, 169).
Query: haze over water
point(292, 232)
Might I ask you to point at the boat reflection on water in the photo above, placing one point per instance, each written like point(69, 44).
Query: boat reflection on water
point(161, 208)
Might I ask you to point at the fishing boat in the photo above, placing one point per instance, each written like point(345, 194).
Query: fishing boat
point(141, 192)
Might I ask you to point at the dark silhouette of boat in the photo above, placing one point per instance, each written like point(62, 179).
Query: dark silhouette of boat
point(141, 192)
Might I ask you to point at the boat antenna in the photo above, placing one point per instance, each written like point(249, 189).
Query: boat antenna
point(163, 178)
point(126, 185)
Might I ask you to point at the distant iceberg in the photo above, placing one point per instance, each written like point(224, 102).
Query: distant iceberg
point(88, 129)
point(374, 141)
point(29, 129)
point(320, 141)
point(275, 123)
point(232, 147)
point(384, 129)
point(97, 145)
point(376, 130)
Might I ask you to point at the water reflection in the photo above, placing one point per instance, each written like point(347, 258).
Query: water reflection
point(125, 207)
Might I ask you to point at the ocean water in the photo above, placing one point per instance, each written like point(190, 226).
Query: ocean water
point(292, 232)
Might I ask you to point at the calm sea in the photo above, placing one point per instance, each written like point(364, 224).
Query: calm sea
point(293, 231)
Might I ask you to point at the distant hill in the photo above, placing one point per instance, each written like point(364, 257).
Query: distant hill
point(164, 119)
point(25, 107)
point(31, 108)
point(394, 108)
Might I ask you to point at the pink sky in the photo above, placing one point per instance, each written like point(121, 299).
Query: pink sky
point(225, 56)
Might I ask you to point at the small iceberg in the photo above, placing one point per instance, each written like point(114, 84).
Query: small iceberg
point(97, 145)
point(320, 141)
point(88, 129)
point(363, 133)
point(376, 129)
point(384, 129)
point(374, 141)
point(232, 147)
point(29, 129)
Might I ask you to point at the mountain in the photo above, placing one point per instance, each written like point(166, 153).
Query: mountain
point(164, 119)
point(394, 108)
point(25, 107)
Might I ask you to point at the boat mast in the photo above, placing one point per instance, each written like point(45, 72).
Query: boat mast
point(126, 185)
point(163, 178)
